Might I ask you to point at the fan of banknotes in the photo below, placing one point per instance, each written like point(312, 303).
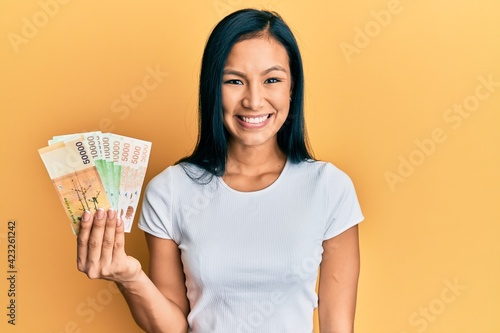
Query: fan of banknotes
point(97, 170)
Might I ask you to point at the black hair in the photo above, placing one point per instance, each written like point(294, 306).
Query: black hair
point(210, 152)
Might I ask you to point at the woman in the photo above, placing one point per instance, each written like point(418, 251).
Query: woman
point(237, 230)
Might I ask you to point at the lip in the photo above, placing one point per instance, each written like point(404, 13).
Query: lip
point(254, 126)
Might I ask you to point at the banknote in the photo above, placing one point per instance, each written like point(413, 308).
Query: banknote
point(138, 162)
point(108, 170)
point(75, 178)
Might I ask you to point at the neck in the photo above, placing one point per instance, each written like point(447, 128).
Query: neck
point(255, 159)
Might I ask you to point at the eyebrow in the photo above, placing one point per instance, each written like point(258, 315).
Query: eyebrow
point(265, 72)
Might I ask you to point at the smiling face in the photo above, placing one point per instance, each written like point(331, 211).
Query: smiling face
point(256, 90)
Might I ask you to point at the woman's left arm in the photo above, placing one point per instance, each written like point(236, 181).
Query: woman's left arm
point(338, 282)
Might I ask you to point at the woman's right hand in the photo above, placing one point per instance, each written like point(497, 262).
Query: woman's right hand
point(101, 255)
point(100, 249)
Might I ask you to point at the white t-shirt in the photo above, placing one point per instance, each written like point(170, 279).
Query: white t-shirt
point(251, 258)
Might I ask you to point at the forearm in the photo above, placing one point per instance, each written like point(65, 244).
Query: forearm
point(338, 283)
point(336, 315)
point(152, 311)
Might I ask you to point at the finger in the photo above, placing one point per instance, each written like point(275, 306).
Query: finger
point(82, 240)
point(133, 266)
point(108, 240)
point(95, 238)
point(119, 247)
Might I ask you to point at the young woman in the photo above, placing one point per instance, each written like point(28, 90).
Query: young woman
point(238, 230)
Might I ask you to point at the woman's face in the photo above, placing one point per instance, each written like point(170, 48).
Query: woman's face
point(256, 90)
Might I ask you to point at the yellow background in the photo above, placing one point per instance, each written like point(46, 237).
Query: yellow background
point(434, 226)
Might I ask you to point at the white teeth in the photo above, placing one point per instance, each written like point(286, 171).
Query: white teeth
point(257, 120)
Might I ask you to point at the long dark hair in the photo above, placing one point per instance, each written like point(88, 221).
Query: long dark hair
point(210, 152)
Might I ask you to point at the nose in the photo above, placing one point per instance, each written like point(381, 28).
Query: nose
point(253, 98)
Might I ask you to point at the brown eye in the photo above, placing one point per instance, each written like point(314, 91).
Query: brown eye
point(272, 80)
point(234, 82)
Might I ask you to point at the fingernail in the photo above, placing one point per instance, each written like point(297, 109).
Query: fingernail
point(111, 214)
point(86, 216)
point(119, 222)
point(100, 213)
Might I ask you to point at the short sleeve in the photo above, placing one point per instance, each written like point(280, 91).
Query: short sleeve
point(156, 213)
point(343, 208)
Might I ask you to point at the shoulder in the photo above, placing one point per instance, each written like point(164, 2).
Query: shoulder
point(164, 177)
point(322, 170)
point(183, 172)
point(322, 177)
point(178, 178)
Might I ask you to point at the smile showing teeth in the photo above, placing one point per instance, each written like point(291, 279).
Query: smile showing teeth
point(256, 120)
